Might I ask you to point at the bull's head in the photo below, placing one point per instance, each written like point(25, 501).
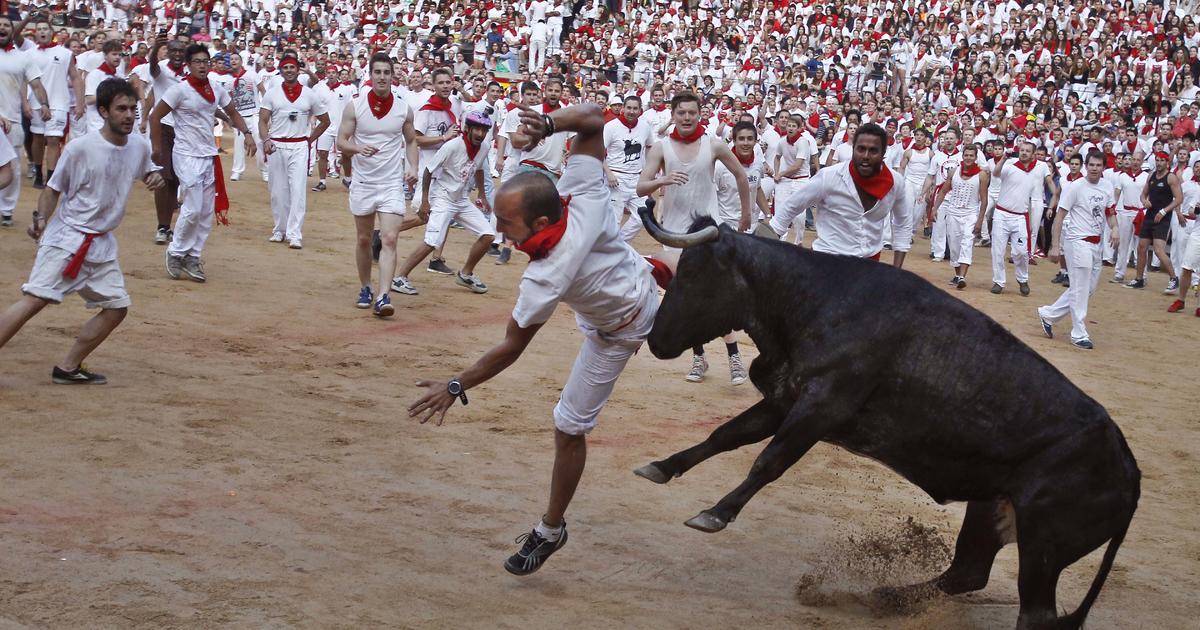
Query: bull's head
point(708, 296)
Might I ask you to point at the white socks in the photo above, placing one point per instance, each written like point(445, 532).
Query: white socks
point(551, 534)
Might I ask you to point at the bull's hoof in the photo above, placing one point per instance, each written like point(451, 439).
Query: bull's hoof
point(706, 522)
point(653, 473)
point(903, 599)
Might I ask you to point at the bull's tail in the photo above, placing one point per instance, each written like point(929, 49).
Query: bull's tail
point(1075, 619)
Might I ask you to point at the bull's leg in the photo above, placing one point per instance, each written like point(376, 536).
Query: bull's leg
point(804, 426)
point(752, 425)
point(1037, 580)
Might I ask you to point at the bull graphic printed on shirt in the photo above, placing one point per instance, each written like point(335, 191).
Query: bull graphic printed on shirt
point(633, 151)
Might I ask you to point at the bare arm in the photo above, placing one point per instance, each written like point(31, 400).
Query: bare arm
point(76, 79)
point(264, 129)
point(586, 120)
point(156, 116)
point(647, 182)
point(346, 129)
point(322, 125)
point(410, 150)
point(437, 399)
point(1054, 191)
point(985, 180)
point(724, 155)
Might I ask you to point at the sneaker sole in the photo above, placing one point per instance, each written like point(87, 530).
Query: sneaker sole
point(361, 305)
point(472, 287)
point(404, 291)
point(69, 381)
point(444, 273)
point(737, 381)
point(387, 310)
point(694, 379)
point(519, 572)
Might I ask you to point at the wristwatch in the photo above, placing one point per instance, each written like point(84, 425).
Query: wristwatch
point(455, 388)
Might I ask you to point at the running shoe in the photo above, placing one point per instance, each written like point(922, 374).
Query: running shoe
point(174, 266)
point(1024, 287)
point(295, 243)
point(1172, 286)
point(194, 268)
point(1058, 277)
point(493, 250)
point(962, 283)
point(365, 297)
point(320, 187)
point(276, 237)
point(534, 551)
point(402, 285)
point(504, 257)
point(438, 265)
point(1175, 306)
point(162, 236)
point(6, 220)
point(383, 306)
point(737, 372)
point(1047, 327)
point(1083, 344)
point(78, 376)
point(1138, 283)
point(997, 289)
point(1117, 279)
point(699, 369)
point(472, 282)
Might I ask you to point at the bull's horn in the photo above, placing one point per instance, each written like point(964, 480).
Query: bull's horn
point(674, 239)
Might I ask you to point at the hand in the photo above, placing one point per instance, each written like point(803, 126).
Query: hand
point(35, 228)
point(978, 229)
point(767, 171)
point(154, 181)
point(26, 110)
point(1182, 221)
point(4, 125)
point(423, 210)
point(612, 179)
point(46, 115)
point(677, 178)
point(268, 146)
point(248, 142)
point(81, 110)
point(452, 133)
point(483, 202)
point(410, 176)
point(532, 121)
point(435, 402)
point(744, 223)
point(367, 150)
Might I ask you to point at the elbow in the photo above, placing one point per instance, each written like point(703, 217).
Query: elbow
point(592, 118)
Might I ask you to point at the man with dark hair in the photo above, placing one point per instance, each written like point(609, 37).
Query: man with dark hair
point(852, 200)
point(77, 211)
point(165, 74)
point(1161, 197)
point(627, 138)
point(60, 77)
point(436, 122)
point(17, 68)
point(194, 103)
point(578, 258)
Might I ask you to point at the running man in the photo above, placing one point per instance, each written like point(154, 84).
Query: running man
point(377, 133)
point(576, 257)
point(1010, 224)
point(626, 139)
point(686, 159)
point(1190, 262)
point(959, 205)
point(17, 69)
point(60, 77)
point(77, 252)
point(336, 95)
point(1161, 196)
point(164, 75)
point(1085, 207)
point(194, 103)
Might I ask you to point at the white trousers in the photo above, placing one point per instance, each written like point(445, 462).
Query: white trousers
point(1084, 262)
point(1128, 245)
point(1179, 243)
point(10, 193)
point(986, 227)
point(197, 194)
point(960, 234)
point(937, 238)
point(624, 198)
point(537, 55)
point(239, 148)
point(287, 168)
point(1010, 229)
point(784, 189)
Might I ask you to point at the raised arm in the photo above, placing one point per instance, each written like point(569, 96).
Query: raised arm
point(586, 120)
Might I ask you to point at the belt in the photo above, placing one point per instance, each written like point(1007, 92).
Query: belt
point(1003, 209)
point(537, 164)
point(71, 271)
point(1095, 240)
point(303, 139)
point(1135, 208)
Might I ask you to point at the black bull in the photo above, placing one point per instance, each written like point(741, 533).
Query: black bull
point(881, 363)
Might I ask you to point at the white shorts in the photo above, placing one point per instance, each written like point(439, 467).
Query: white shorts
point(326, 142)
point(443, 210)
point(1191, 256)
point(601, 359)
point(365, 200)
point(56, 127)
point(102, 285)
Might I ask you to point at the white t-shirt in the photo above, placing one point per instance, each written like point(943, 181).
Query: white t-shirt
point(55, 63)
point(194, 118)
point(729, 205)
point(627, 147)
point(335, 99)
point(452, 170)
point(1088, 206)
point(591, 269)
point(1017, 186)
point(16, 65)
point(94, 177)
point(432, 123)
point(166, 79)
point(292, 119)
point(243, 91)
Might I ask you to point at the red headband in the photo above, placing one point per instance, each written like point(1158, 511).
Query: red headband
point(289, 58)
point(1162, 156)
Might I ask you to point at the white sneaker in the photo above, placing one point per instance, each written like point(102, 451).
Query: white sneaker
point(276, 237)
point(235, 177)
point(295, 244)
point(699, 368)
point(737, 372)
point(402, 285)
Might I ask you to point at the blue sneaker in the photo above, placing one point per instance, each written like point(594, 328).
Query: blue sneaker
point(1047, 327)
point(534, 551)
point(365, 295)
point(1083, 344)
point(383, 306)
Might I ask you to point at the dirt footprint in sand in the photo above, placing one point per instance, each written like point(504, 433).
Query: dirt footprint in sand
point(850, 570)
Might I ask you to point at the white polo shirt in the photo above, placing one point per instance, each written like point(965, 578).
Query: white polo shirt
point(292, 119)
point(16, 65)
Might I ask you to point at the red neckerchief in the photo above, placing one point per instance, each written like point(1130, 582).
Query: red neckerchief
point(628, 123)
point(1073, 176)
point(380, 106)
point(695, 135)
point(7, 47)
point(237, 78)
point(792, 139)
point(1028, 168)
point(292, 92)
point(539, 245)
point(107, 69)
point(472, 149)
point(745, 161)
point(877, 185)
point(204, 88)
point(907, 142)
point(969, 171)
point(45, 46)
point(546, 108)
point(178, 71)
point(660, 107)
point(440, 104)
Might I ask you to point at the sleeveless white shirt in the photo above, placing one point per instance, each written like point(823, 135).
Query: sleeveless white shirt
point(963, 198)
point(918, 166)
point(682, 205)
point(385, 169)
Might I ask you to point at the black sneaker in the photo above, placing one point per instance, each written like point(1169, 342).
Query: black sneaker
point(6, 220)
point(1137, 283)
point(1024, 287)
point(78, 376)
point(376, 246)
point(1066, 281)
point(37, 181)
point(533, 553)
point(437, 265)
point(493, 250)
point(1058, 278)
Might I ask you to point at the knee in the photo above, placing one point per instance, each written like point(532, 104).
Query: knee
point(487, 238)
point(388, 240)
point(117, 315)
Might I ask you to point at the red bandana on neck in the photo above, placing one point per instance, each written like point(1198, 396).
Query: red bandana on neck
point(204, 88)
point(380, 106)
point(791, 139)
point(107, 69)
point(472, 149)
point(547, 108)
point(628, 123)
point(178, 71)
point(50, 44)
point(660, 108)
point(539, 245)
point(969, 171)
point(440, 104)
point(237, 78)
point(696, 134)
point(292, 92)
point(746, 161)
point(1026, 167)
point(7, 47)
point(1073, 176)
point(877, 185)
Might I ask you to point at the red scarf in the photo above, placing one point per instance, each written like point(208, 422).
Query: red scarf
point(546, 108)
point(472, 149)
point(695, 135)
point(203, 88)
point(292, 92)
point(237, 78)
point(539, 245)
point(7, 47)
point(745, 161)
point(51, 44)
point(792, 139)
point(440, 104)
point(660, 108)
point(1073, 176)
point(628, 123)
point(380, 106)
point(1026, 167)
point(107, 69)
point(969, 171)
point(178, 71)
point(877, 185)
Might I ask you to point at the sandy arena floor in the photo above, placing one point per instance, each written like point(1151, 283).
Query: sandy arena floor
point(251, 463)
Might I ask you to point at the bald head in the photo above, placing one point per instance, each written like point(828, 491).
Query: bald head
point(534, 194)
